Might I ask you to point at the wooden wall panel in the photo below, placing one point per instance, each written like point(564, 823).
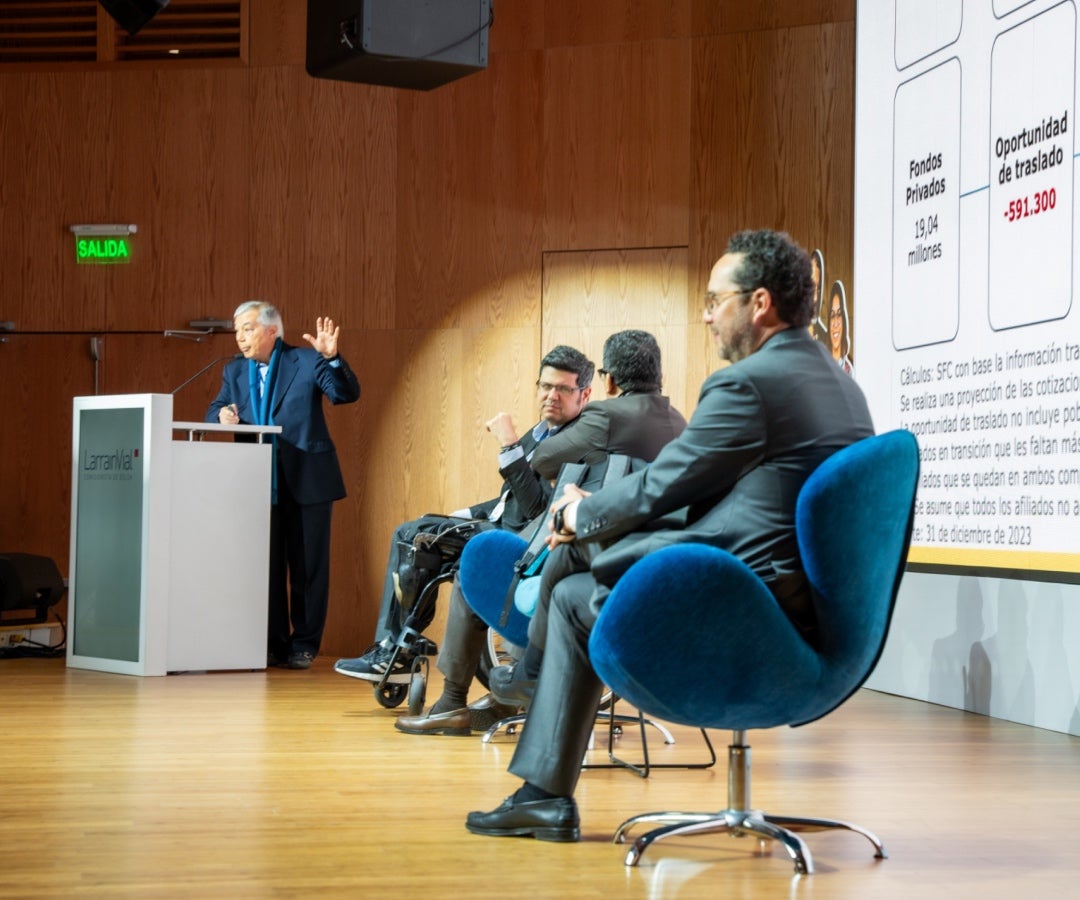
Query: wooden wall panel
point(416, 443)
point(278, 30)
point(39, 376)
point(470, 201)
point(164, 153)
point(778, 157)
point(729, 16)
point(616, 160)
point(180, 145)
point(592, 294)
point(322, 204)
point(52, 168)
point(615, 21)
point(519, 25)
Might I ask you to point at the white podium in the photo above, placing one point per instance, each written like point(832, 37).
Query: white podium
point(170, 540)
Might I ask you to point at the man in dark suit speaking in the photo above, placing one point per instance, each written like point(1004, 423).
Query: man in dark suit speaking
point(279, 384)
point(731, 479)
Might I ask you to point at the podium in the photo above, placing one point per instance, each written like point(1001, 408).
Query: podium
point(170, 540)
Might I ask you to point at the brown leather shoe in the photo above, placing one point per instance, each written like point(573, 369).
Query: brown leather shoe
point(454, 722)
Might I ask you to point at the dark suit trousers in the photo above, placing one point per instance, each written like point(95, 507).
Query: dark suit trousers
point(463, 641)
point(562, 715)
point(391, 615)
point(390, 618)
point(299, 574)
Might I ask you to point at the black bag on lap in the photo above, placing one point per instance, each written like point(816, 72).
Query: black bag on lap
point(434, 550)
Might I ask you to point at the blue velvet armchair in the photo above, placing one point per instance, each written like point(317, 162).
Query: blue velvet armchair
point(485, 573)
point(755, 669)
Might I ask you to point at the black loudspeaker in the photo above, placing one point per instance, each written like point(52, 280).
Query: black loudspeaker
point(131, 15)
point(418, 44)
point(28, 583)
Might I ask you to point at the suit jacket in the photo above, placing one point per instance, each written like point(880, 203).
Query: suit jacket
point(636, 425)
point(527, 496)
point(731, 479)
point(306, 457)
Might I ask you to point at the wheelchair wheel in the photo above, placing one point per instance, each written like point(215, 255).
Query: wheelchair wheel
point(391, 696)
point(418, 686)
point(497, 652)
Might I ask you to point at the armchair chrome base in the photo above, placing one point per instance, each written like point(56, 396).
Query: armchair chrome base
point(739, 821)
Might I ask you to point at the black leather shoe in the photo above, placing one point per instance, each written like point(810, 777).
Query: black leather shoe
point(546, 820)
point(509, 685)
point(302, 659)
point(454, 722)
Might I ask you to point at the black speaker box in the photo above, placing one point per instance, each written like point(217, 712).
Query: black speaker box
point(131, 15)
point(417, 44)
point(28, 582)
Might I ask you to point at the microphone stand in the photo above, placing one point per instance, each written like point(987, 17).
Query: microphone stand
point(206, 369)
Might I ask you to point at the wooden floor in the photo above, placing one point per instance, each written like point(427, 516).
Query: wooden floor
point(295, 784)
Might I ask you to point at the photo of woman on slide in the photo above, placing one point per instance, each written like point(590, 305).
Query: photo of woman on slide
point(839, 327)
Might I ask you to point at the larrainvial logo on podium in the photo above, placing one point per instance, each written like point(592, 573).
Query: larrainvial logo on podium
point(109, 465)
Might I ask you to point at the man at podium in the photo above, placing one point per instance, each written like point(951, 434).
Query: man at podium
point(280, 384)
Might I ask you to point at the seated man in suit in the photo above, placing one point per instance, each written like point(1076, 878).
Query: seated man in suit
point(636, 421)
point(731, 479)
point(563, 387)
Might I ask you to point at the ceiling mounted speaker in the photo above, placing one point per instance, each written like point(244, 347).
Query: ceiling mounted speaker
point(418, 44)
point(131, 15)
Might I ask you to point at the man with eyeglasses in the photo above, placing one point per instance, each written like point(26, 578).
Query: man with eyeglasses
point(731, 479)
point(563, 387)
point(635, 421)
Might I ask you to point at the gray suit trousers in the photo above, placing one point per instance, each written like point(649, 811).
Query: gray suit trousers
point(463, 641)
point(563, 712)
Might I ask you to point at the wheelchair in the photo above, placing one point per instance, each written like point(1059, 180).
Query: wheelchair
point(430, 560)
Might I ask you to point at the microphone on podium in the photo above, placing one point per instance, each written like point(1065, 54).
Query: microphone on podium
point(206, 369)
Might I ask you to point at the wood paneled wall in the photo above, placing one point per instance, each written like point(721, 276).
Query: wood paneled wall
point(609, 149)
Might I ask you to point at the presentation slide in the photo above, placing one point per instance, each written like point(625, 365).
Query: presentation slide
point(966, 329)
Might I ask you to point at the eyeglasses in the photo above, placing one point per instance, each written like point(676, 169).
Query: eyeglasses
point(603, 373)
point(714, 301)
point(563, 390)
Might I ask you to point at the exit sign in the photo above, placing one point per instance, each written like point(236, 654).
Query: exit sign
point(102, 250)
point(103, 245)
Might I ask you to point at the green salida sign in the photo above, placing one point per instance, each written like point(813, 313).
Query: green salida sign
point(102, 250)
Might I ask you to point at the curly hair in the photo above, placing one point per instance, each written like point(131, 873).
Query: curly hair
point(632, 358)
point(772, 260)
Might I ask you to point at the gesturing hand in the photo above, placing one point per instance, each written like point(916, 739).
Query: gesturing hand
point(326, 337)
point(502, 426)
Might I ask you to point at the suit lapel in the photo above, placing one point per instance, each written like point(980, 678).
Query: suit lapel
point(287, 369)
